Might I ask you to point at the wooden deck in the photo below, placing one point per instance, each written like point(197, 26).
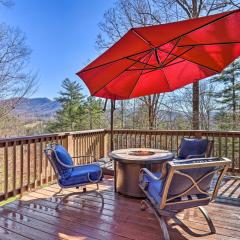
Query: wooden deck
point(34, 217)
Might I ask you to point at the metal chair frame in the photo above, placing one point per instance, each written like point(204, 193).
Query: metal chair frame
point(221, 165)
point(48, 151)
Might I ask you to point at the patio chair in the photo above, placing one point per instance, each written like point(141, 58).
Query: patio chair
point(188, 183)
point(68, 175)
point(194, 148)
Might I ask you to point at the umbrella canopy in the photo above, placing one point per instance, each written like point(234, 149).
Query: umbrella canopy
point(162, 58)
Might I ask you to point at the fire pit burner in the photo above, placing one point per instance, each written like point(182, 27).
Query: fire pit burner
point(141, 153)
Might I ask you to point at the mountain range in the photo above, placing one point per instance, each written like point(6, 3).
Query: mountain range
point(36, 109)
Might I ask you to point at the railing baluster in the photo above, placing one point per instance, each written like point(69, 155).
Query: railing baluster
point(28, 165)
point(41, 161)
point(46, 164)
point(35, 163)
point(6, 170)
point(14, 179)
point(233, 154)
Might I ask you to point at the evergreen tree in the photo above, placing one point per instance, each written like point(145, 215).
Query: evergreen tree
point(71, 115)
point(228, 96)
point(94, 109)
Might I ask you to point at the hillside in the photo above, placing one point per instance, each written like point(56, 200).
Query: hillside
point(36, 109)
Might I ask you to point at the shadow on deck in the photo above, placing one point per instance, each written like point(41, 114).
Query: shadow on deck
point(35, 217)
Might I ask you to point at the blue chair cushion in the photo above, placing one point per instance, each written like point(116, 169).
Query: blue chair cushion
point(65, 158)
point(154, 187)
point(79, 175)
point(192, 147)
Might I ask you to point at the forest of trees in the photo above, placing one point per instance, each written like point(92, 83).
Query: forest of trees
point(77, 112)
point(126, 14)
point(211, 104)
point(219, 107)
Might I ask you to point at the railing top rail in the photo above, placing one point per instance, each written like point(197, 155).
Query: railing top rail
point(86, 132)
point(60, 134)
point(23, 138)
point(176, 131)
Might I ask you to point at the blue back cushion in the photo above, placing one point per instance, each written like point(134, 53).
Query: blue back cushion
point(192, 147)
point(65, 158)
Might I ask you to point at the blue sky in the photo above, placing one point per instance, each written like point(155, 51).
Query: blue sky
point(61, 34)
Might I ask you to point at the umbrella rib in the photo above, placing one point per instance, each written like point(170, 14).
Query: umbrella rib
point(156, 56)
point(140, 62)
point(215, 20)
point(139, 76)
point(118, 75)
point(177, 56)
point(165, 78)
point(141, 37)
point(172, 49)
point(158, 68)
point(190, 61)
point(126, 57)
point(206, 44)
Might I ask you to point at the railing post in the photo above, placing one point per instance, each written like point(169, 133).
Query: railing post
point(68, 143)
point(106, 143)
point(102, 144)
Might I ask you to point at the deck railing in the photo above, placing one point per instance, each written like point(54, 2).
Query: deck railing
point(226, 143)
point(23, 166)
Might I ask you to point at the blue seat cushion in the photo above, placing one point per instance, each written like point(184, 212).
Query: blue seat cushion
point(65, 158)
point(154, 187)
point(79, 175)
point(192, 147)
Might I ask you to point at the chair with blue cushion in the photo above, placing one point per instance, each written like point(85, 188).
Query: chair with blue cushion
point(70, 175)
point(194, 148)
point(186, 184)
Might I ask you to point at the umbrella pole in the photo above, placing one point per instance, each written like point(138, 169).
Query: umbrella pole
point(111, 143)
point(111, 135)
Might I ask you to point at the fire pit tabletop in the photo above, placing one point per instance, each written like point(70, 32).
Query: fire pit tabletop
point(141, 155)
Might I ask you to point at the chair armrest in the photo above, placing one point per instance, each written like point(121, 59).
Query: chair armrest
point(84, 156)
point(199, 162)
point(150, 174)
point(196, 156)
point(90, 158)
point(80, 165)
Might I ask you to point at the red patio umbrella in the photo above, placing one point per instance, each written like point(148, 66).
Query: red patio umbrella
point(162, 58)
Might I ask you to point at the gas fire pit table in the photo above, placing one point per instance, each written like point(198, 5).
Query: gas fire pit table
point(128, 162)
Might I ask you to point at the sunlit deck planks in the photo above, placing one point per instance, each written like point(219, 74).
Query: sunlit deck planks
point(34, 217)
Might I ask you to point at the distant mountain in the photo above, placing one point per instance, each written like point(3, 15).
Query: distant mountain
point(36, 109)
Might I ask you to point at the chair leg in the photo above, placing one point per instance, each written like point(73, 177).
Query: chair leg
point(146, 204)
point(60, 190)
point(163, 225)
point(63, 199)
point(80, 193)
point(208, 219)
point(143, 205)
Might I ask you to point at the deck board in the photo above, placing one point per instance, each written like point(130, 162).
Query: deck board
point(34, 216)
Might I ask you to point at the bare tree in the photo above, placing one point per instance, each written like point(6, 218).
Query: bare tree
point(117, 21)
point(184, 9)
point(126, 14)
point(6, 3)
point(15, 81)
